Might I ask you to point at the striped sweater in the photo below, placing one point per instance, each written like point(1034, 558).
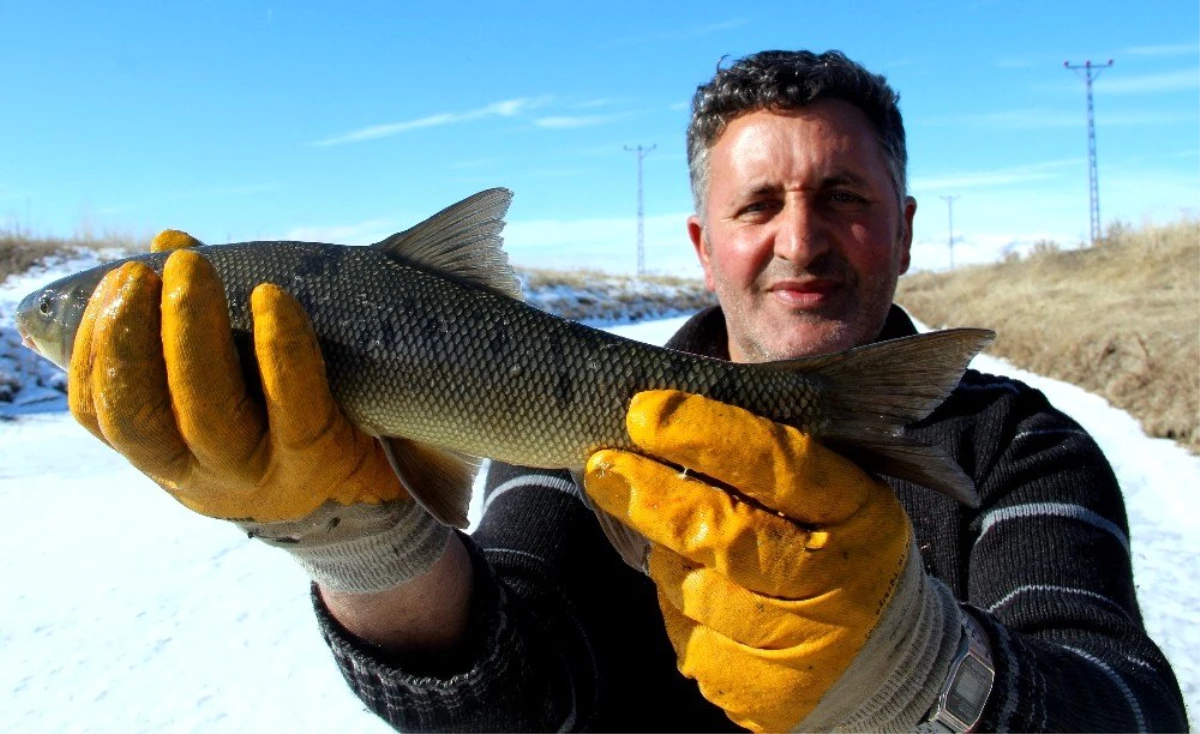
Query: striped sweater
point(566, 637)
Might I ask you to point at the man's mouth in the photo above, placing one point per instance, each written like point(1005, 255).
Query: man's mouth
point(805, 293)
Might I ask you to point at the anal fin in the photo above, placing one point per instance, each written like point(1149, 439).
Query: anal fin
point(903, 458)
point(439, 480)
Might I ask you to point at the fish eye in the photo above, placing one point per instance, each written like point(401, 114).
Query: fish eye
point(44, 305)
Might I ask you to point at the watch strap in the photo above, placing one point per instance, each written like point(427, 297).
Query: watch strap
point(969, 681)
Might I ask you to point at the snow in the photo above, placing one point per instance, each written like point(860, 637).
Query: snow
point(124, 612)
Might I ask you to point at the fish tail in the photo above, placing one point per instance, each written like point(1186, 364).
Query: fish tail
point(870, 393)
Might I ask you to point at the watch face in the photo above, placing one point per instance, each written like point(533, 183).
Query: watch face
point(968, 691)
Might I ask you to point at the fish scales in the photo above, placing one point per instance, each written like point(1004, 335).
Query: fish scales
point(412, 354)
point(424, 339)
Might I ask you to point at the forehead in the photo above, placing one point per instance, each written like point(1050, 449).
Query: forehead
point(827, 133)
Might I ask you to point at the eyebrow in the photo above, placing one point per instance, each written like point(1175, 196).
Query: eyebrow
point(839, 178)
point(843, 177)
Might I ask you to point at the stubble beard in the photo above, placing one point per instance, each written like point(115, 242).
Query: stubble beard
point(854, 318)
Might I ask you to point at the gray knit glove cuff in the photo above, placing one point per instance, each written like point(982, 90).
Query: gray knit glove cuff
point(360, 549)
point(899, 672)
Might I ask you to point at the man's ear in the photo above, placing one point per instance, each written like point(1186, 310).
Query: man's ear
point(910, 211)
point(695, 230)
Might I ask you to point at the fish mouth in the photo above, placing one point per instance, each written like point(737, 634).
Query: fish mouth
point(27, 340)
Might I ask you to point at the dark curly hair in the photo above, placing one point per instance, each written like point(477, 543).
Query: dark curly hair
point(789, 80)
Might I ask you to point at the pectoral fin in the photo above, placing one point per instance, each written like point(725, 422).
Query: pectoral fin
point(630, 545)
point(439, 480)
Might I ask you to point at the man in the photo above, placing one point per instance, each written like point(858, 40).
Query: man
point(784, 588)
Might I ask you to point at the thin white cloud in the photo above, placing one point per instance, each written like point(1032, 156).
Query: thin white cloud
point(994, 177)
point(503, 108)
point(1037, 118)
point(1016, 62)
point(679, 34)
point(475, 163)
point(973, 180)
point(1144, 117)
point(563, 122)
point(588, 104)
point(226, 190)
point(1169, 81)
point(704, 30)
point(359, 233)
point(1167, 49)
point(210, 191)
point(555, 172)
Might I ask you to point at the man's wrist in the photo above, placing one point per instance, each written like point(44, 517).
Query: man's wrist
point(360, 548)
point(964, 694)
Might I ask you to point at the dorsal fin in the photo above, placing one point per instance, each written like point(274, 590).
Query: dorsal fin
point(462, 242)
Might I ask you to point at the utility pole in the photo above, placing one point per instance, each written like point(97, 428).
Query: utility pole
point(950, 206)
point(641, 233)
point(1089, 75)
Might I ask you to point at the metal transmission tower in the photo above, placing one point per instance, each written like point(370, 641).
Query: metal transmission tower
point(950, 241)
point(641, 232)
point(1088, 75)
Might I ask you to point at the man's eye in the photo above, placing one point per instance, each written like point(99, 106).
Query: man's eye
point(846, 197)
point(757, 207)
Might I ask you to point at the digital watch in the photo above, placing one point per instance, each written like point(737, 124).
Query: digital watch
point(960, 703)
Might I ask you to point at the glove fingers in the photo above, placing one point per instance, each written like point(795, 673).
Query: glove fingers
point(758, 621)
point(128, 381)
point(295, 387)
point(170, 240)
point(306, 423)
point(774, 464)
point(221, 423)
point(732, 676)
point(759, 550)
point(80, 399)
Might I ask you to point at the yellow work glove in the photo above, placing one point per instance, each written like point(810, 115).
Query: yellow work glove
point(155, 375)
point(789, 581)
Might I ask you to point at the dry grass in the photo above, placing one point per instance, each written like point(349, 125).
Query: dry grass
point(21, 249)
point(1121, 319)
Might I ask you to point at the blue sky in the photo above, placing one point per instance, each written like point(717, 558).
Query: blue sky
point(345, 122)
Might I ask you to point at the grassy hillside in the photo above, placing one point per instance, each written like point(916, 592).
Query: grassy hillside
point(21, 249)
point(1121, 319)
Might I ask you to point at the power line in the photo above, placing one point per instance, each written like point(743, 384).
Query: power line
point(641, 234)
point(1093, 175)
point(950, 206)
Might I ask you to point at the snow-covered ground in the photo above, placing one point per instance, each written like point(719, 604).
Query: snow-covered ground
point(124, 612)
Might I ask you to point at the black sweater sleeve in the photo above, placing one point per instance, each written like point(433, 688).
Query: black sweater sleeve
point(569, 638)
point(1046, 561)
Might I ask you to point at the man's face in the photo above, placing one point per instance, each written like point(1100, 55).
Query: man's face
point(803, 238)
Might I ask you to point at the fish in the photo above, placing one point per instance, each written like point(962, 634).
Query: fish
point(429, 347)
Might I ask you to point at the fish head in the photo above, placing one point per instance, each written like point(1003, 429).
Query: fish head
point(48, 318)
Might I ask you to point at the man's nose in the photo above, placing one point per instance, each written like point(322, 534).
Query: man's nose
point(802, 235)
